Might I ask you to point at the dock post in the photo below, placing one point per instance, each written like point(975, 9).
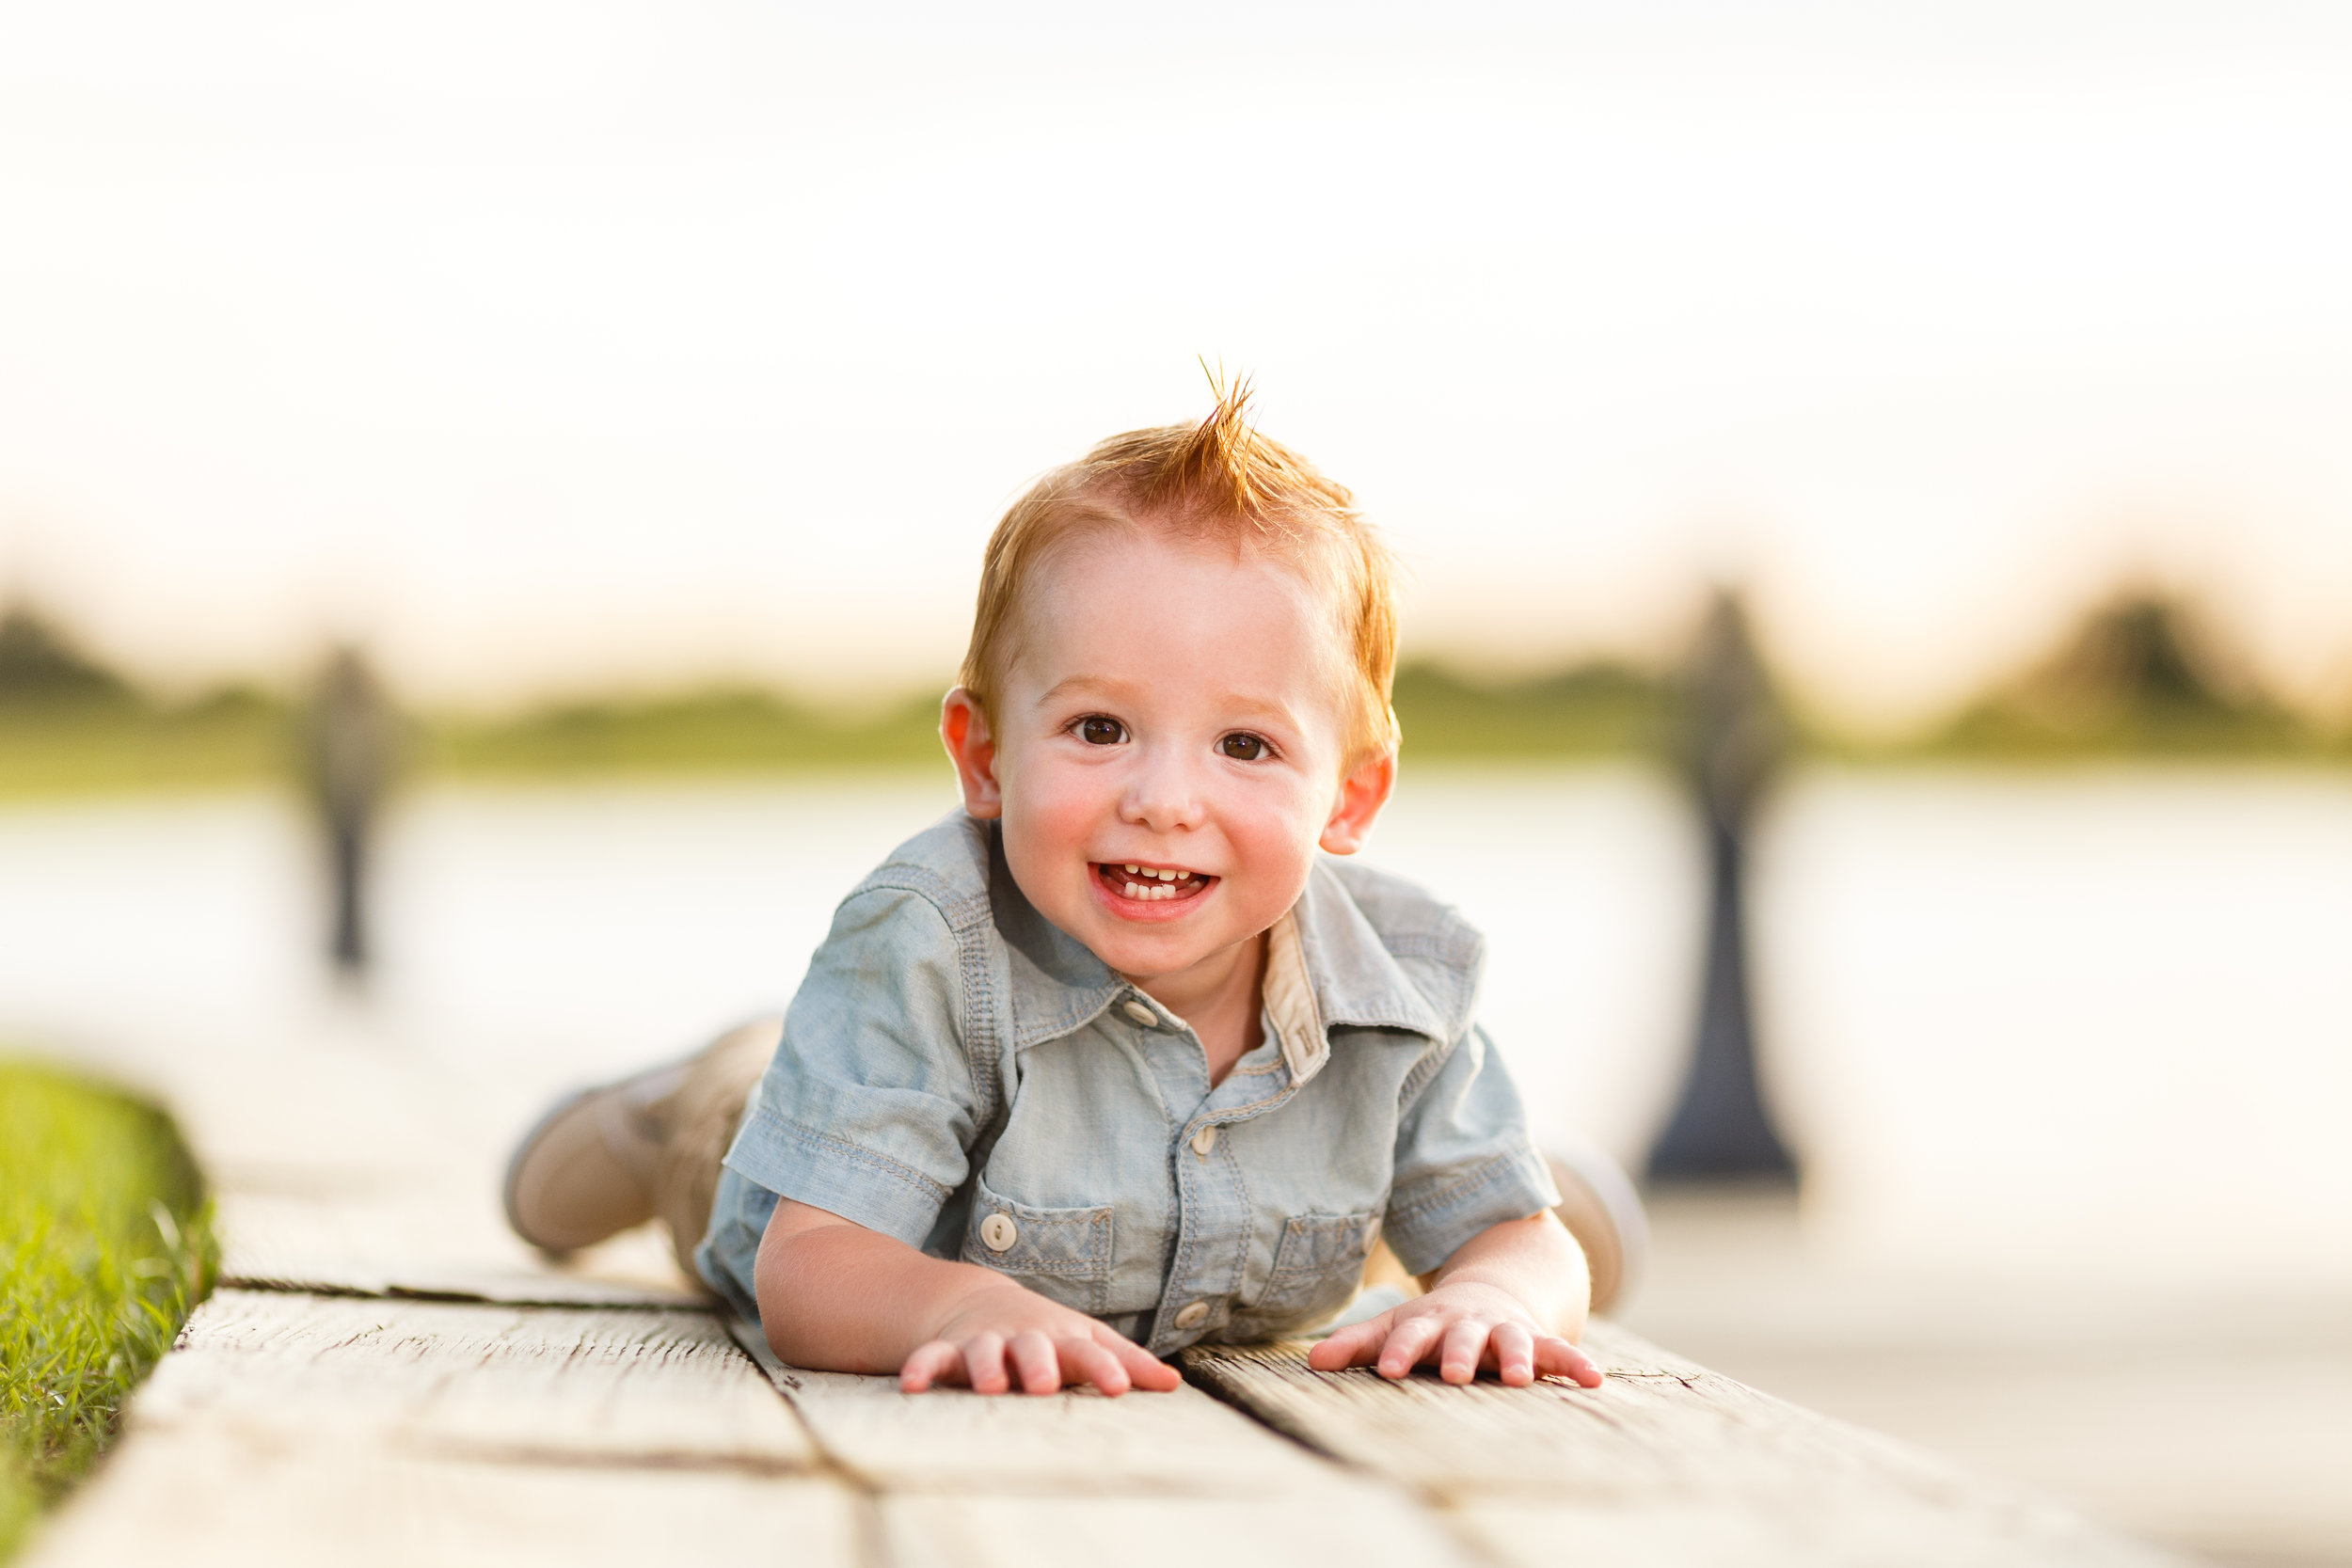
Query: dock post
point(1719, 1128)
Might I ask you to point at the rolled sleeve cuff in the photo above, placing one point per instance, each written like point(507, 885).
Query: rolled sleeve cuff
point(860, 1184)
point(1428, 1225)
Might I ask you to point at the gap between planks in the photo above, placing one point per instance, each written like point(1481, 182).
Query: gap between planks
point(1007, 1482)
point(1666, 1463)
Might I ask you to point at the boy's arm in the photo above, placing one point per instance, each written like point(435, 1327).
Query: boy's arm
point(837, 1296)
point(1511, 1299)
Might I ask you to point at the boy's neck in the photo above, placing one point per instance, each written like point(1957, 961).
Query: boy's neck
point(1222, 998)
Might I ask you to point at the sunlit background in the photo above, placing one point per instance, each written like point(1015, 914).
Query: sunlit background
point(635, 387)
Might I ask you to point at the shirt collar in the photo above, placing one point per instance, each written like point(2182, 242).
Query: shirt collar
point(1326, 967)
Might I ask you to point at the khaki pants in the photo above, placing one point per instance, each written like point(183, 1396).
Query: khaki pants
point(697, 1121)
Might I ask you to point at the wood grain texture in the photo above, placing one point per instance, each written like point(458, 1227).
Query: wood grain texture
point(967, 1480)
point(418, 1243)
point(1359, 1526)
point(951, 1440)
point(230, 1499)
point(663, 1387)
point(1665, 1463)
point(300, 1428)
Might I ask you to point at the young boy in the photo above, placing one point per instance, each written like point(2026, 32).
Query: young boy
point(1111, 1061)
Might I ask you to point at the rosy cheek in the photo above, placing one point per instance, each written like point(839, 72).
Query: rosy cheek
point(1275, 839)
point(1057, 808)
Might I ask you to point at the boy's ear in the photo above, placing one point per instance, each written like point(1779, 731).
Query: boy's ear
point(964, 729)
point(1362, 793)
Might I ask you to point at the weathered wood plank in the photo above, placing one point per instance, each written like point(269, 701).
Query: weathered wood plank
point(951, 1440)
point(451, 1246)
point(299, 1429)
point(1666, 1462)
point(230, 1499)
point(973, 1481)
point(666, 1387)
point(1359, 1526)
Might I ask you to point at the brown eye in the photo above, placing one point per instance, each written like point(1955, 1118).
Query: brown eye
point(1242, 747)
point(1100, 731)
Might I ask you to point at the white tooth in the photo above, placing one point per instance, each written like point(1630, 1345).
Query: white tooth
point(1134, 892)
point(1132, 870)
point(1167, 875)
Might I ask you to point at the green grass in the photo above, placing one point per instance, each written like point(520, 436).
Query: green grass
point(743, 730)
point(65, 747)
point(1594, 710)
point(105, 1244)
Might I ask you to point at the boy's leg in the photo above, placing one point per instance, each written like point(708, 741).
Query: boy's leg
point(698, 1121)
point(646, 1147)
point(1602, 1209)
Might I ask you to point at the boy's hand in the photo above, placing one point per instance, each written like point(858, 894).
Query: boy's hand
point(1504, 1301)
point(1463, 1326)
point(1001, 1334)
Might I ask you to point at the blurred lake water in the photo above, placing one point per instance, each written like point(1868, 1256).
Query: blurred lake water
point(2097, 1019)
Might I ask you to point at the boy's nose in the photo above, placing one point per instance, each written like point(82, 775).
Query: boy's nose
point(1161, 796)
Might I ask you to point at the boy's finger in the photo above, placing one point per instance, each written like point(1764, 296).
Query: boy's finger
point(1144, 1369)
point(1083, 1361)
point(1351, 1346)
point(984, 1362)
point(1033, 1358)
point(1465, 1342)
point(1514, 1350)
point(927, 1366)
point(1558, 1358)
point(1408, 1342)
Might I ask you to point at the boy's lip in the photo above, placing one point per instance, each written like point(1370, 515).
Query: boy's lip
point(1113, 881)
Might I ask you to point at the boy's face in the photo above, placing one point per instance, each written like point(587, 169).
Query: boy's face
point(1176, 712)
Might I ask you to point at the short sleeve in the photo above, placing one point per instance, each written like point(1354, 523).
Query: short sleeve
point(867, 1110)
point(1464, 1158)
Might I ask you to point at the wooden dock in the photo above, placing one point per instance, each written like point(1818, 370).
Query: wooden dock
point(388, 1378)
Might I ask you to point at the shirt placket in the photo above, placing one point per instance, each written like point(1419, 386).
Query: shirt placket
point(1205, 1265)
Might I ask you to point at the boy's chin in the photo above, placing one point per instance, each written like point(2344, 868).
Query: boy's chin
point(1143, 951)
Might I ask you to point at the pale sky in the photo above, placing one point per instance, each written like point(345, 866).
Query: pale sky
point(552, 346)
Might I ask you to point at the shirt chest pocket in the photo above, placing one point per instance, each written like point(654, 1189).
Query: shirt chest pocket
point(1317, 1268)
point(1062, 1254)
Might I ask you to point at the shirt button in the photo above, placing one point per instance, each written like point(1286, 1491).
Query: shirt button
point(1205, 1140)
point(1191, 1315)
point(1143, 1015)
point(999, 1232)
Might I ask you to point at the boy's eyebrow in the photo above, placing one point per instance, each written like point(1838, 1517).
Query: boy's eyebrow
point(1103, 686)
point(1264, 706)
point(1074, 685)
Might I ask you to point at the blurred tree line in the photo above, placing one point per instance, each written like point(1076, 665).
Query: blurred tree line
point(2138, 677)
point(67, 722)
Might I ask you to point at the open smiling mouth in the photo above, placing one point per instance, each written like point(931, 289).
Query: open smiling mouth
point(1152, 884)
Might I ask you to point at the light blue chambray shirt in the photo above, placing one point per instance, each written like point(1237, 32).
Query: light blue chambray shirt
point(959, 1073)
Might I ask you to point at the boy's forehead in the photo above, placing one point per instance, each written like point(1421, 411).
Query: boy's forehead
point(1128, 609)
point(1181, 574)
